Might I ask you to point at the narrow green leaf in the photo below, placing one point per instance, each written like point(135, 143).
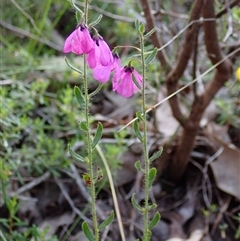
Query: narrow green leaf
point(156, 155)
point(98, 135)
point(138, 166)
point(136, 130)
point(149, 33)
point(75, 7)
point(152, 176)
point(83, 126)
point(97, 21)
point(141, 28)
point(72, 67)
point(137, 24)
point(136, 82)
point(151, 56)
point(135, 204)
point(75, 155)
point(88, 233)
point(79, 97)
point(139, 115)
point(107, 221)
point(151, 207)
point(154, 221)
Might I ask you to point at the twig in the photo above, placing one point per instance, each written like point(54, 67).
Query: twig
point(108, 14)
point(31, 184)
point(224, 10)
point(71, 203)
point(174, 76)
point(29, 35)
point(230, 28)
point(172, 14)
point(26, 15)
point(150, 21)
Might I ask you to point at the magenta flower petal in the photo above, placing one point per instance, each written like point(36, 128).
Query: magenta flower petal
point(123, 83)
point(79, 41)
point(87, 41)
point(105, 56)
point(102, 73)
point(91, 58)
point(100, 54)
point(126, 87)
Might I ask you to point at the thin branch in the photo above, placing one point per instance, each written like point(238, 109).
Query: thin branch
point(70, 201)
point(230, 27)
point(161, 55)
point(224, 10)
point(174, 76)
point(25, 33)
point(31, 184)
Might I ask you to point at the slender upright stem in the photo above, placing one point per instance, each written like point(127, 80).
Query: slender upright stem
point(86, 11)
point(89, 152)
point(88, 138)
point(145, 148)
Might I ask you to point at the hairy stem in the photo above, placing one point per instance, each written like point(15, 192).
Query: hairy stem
point(89, 140)
point(145, 148)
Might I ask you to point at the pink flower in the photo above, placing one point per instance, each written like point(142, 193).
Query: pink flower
point(79, 41)
point(123, 83)
point(102, 73)
point(100, 54)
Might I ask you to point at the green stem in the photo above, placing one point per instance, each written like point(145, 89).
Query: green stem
point(86, 11)
point(89, 140)
point(145, 148)
point(89, 152)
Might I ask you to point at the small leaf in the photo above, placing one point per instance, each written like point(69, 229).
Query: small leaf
point(138, 166)
point(78, 16)
point(151, 207)
point(149, 33)
point(136, 130)
point(141, 28)
point(136, 82)
point(79, 97)
point(135, 204)
point(88, 233)
point(154, 221)
point(156, 155)
point(98, 135)
point(137, 24)
point(75, 155)
point(97, 21)
point(75, 7)
point(139, 115)
point(72, 67)
point(151, 56)
point(152, 176)
point(107, 221)
point(83, 126)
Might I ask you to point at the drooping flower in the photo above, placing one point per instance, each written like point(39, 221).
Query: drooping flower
point(100, 54)
point(102, 73)
point(79, 41)
point(123, 82)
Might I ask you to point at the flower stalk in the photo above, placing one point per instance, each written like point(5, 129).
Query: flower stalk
point(145, 148)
